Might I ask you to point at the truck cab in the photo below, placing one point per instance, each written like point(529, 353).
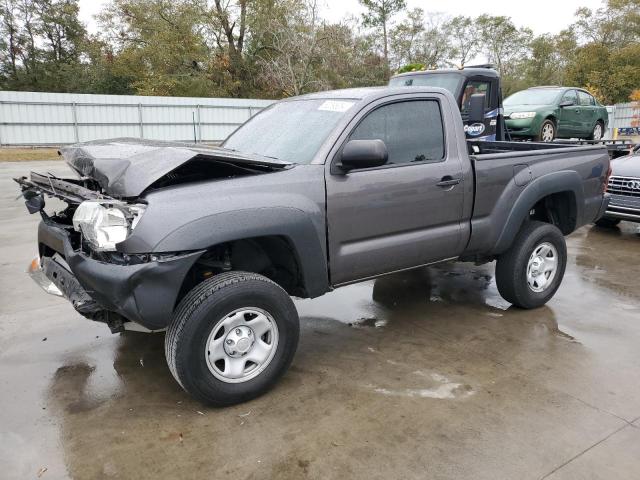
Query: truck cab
point(463, 83)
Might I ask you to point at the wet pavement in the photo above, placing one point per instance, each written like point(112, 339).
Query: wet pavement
point(427, 374)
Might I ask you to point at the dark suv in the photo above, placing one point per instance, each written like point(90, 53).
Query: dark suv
point(624, 190)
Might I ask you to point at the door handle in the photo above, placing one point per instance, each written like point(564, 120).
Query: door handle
point(448, 181)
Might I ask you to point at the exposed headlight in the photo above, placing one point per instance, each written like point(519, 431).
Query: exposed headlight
point(103, 224)
point(519, 115)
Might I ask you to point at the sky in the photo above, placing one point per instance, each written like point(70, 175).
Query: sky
point(542, 16)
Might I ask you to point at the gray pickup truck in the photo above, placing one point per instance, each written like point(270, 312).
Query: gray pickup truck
point(313, 193)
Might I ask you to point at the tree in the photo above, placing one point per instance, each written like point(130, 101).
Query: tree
point(158, 44)
point(465, 38)
point(507, 47)
point(378, 15)
point(9, 38)
point(616, 23)
point(607, 58)
point(292, 51)
point(229, 20)
point(404, 38)
point(549, 58)
point(350, 58)
point(271, 48)
point(434, 45)
point(43, 47)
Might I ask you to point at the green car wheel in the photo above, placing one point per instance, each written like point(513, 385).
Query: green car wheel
point(547, 131)
point(598, 131)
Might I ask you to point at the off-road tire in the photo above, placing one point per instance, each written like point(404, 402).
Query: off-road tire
point(606, 222)
point(511, 267)
point(197, 314)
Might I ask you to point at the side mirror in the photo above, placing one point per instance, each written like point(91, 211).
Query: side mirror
point(476, 108)
point(566, 103)
point(363, 154)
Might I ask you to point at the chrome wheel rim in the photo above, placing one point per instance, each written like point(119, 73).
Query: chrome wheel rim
point(547, 132)
point(597, 132)
point(542, 267)
point(241, 345)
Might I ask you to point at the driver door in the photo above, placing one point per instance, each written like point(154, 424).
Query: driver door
point(406, 213)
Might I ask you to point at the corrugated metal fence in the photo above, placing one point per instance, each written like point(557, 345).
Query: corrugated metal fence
point(626, 120)
point(34, 118)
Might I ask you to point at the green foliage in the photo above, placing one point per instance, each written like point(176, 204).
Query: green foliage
point(465, 39)
point(378, 15)
point(412, 67)
point(275, 48)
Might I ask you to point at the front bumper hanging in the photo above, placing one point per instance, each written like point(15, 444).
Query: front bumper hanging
point(143, 293)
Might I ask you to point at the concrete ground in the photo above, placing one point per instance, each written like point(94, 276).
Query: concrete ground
point(427, 374)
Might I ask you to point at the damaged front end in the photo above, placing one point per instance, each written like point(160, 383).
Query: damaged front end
point(78, 259)
point(82, 248)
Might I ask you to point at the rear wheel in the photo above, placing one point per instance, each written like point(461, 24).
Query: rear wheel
point(607, 222)
point(232, 337)
point(547, 131)
point(530, 272)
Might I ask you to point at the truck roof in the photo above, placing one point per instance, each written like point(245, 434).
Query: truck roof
point(467, 72)
point(365, 93)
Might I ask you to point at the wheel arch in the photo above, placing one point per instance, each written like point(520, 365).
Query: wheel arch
point(273, 256)
point(555, 198)
point(269, 231)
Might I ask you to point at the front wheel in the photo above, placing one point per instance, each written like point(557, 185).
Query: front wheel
point(530, 272)
point(547, 131)
point(232, 337)
point(598, 131)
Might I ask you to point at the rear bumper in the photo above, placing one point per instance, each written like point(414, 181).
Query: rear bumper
point(144, 293)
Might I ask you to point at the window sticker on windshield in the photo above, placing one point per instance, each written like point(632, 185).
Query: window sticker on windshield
point(335, 106)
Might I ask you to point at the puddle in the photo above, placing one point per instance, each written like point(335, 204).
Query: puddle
point(441, 389)
point(368, 323)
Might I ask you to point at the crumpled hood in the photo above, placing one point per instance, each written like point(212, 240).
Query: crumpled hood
point(125, 167)
point(627, 166)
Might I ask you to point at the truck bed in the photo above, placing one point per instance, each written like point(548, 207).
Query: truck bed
point(504, 170)
point(615, 148)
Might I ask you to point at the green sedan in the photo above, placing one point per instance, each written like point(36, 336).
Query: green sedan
point(546, 113)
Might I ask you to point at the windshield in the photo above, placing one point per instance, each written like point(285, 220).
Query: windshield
point(448, 81)
point(534, 96)
point(292, 131)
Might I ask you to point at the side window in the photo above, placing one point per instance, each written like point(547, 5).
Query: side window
point(473, 87)
point(585, 98)
point(570, 96)
point(411, 130)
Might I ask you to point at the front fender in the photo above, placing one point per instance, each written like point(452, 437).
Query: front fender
point(292, 223)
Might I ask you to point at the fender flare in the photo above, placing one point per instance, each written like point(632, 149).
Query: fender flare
point(556, 182)
point(291, 223)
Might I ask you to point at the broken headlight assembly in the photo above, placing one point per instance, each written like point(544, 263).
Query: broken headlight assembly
point(105, 223)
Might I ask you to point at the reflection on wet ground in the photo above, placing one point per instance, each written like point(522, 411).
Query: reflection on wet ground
point(424, 374)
